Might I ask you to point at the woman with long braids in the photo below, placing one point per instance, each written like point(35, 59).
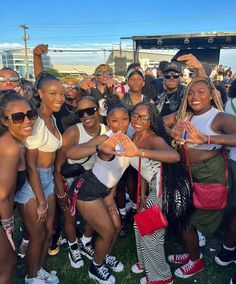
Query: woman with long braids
point(150, 135)
point(202, 125)
point(36, 200)
point(16, 124)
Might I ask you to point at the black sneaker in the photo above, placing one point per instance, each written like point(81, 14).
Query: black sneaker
point(56, 242)
point(225, 257)
point(76, 260)
point(113, 263)
point(87, 250)
point(101, 274)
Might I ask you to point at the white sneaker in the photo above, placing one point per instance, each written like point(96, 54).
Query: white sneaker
point(137, 268)
point(74, 255)
point(113, 263)
point(35, 280)
point(48, 277)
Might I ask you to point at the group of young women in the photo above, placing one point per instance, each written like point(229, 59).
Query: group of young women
point(33, 151)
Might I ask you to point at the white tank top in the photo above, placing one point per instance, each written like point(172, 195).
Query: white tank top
point(83, 138)
point(203, 123)
point(110, 172)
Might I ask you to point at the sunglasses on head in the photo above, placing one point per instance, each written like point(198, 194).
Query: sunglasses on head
point(173, 75)
point(73, 87)
point(88, 111)
point(19, 117)
point(143, 118)
point(9, 79)
point(101, 73)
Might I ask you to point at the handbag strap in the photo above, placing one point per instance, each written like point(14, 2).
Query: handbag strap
point(139, 175)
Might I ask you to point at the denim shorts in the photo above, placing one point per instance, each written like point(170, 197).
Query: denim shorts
point(26, 193)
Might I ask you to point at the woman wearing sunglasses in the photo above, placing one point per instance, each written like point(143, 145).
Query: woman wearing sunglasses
point(88, 112)
point(16, 124)
point(94, 201)
point(36, 199)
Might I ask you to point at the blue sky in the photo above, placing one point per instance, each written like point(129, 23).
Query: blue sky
point(100, 24)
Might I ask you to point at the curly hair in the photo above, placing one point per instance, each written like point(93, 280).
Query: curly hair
point(73, 79)
point(103, 67)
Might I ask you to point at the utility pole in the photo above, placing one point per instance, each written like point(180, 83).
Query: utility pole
point(25, 38)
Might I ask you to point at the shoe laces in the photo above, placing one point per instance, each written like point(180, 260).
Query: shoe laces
point(43, 274)
point(111, 260)
point(181, 256)
point(88, 249)
point(188, 266)
point(75, 254)
point(103, 272)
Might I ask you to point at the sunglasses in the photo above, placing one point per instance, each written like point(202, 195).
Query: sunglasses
point(73, 87)
point(102, 73)
point(173, 75)
point(143, 118)
point(19, 117)
point(88, 111)
point(9, 79)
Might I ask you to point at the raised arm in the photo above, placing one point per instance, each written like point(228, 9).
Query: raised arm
point(37, 55)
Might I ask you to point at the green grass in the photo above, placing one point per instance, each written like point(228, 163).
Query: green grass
point(125, 251)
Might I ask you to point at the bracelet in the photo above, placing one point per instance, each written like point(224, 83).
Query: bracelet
point(143, 154)
point(61, 196)
point(8, 223)
point(45, 210)
point(208, 139)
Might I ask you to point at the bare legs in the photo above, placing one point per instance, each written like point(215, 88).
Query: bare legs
point(7, 260)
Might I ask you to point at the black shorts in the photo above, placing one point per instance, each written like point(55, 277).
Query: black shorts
point(91, 188)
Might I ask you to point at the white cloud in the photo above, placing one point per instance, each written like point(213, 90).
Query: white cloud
point(7, 45)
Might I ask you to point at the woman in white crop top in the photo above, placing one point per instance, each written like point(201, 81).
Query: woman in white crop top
point(92, 200)
point(150, 135)
point(207, 128)
point(36, 199)
point(82, 132)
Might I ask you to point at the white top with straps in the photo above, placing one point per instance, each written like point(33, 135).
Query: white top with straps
point(42, 139)
point(203, 123)
point(83, 138)
point(110, 172)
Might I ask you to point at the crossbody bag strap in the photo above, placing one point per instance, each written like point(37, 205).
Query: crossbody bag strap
point(138, 184)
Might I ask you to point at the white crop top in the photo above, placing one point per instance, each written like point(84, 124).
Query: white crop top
point(42, 139)
point(83, 138)
point(203, 123)
point(110, 172)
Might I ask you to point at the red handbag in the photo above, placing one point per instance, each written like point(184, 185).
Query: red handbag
point(150, 219)
point(212, 196)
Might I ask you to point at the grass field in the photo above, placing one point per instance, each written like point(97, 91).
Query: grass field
point(125, 251)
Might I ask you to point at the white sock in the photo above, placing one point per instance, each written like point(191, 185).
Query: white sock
point(227, 248)
point(85, 239)
point(98, 265)
point(25, 241)
point(71, 244)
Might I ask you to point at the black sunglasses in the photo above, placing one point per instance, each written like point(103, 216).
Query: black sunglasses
point(19, 117)
point(173, 75)
point(89, 111)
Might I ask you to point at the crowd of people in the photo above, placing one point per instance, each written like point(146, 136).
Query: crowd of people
point(74, 148)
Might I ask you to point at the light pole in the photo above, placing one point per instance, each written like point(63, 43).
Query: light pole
point(25, 38)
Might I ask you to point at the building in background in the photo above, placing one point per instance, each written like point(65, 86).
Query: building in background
point(15, 59)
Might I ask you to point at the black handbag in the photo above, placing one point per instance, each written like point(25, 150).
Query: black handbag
point(73, 170)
